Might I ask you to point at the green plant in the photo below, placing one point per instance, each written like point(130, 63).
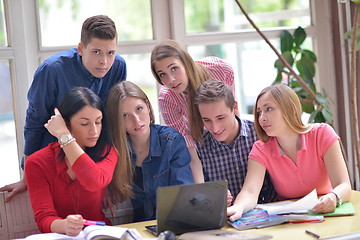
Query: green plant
point(303, 61)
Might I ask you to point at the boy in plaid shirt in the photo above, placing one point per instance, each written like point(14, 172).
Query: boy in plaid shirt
point(227, 139)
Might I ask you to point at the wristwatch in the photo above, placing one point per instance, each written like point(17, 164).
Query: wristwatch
point(338, 199)
point(65, 139)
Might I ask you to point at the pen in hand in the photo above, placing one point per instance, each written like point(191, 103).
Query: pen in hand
point(312, 234)
point(98, 223)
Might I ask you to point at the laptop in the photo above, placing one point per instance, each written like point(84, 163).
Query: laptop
point(192, 207)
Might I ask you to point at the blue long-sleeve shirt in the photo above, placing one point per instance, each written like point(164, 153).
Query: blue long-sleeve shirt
point(52, 80)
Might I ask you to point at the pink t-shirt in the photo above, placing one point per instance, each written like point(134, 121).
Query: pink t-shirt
point(173, 106)
point(296, 180)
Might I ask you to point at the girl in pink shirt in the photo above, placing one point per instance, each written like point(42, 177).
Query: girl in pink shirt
point(298, 157)
point(180, 75)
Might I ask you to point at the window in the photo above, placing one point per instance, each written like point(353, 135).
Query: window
point(247, 53)
point(225, 15)
point(132, 19)
point(9, 170)
point(3, 34)
point(206, 27)
point(139, 72)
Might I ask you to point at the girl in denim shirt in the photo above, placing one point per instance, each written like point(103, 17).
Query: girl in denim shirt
point(150, 155)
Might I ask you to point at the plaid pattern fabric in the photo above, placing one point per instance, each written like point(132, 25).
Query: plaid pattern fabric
point(223, 162)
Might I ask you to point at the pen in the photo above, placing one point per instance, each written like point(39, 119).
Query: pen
point(306, 221)
point(98, 223)
point(312, 234)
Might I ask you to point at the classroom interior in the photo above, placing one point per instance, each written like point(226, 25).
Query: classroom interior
point(32, 30)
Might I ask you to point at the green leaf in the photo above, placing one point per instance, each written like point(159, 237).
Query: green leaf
point(310, 54)
point(286, 41)
point(312, 117)
point(319, 118)
point(306, 68)
point(327, 114)
point(356, 1)
point(348, 34)
point(299, 36)
point(278, 64)
point(307, 107)
point(278, 78)
point(288, 57)
point(295, 85)
point(320, 98)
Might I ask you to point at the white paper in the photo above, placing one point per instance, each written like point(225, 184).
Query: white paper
point(88, 233)
point(300, 206)
point(53, 236)
point(94, 230)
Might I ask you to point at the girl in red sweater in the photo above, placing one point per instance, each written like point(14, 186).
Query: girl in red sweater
point(67, 179)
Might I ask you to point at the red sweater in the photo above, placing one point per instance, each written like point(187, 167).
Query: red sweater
point(54, 195)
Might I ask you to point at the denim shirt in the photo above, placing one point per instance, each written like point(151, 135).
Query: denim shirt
point(168, 163)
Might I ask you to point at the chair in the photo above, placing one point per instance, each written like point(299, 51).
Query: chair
point(17, 217)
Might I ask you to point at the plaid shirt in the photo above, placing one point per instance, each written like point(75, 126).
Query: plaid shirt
point(223, 162)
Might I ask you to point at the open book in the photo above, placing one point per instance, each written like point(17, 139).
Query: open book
point(270, 214)
point(92, 232)
point(285, 207)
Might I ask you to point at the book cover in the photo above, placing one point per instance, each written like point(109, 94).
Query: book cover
point(344, 209)
point(257, 218)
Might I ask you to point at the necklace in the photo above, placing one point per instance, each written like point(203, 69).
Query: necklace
point(75, 205)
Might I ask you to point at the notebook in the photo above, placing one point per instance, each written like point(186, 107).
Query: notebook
point(192, 207)
point(346, 209)
point(257, 218)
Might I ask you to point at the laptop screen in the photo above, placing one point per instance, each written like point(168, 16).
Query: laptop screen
point(193, 207)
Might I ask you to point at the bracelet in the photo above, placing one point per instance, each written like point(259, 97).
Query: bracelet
point(338, 199)
point(66, 143)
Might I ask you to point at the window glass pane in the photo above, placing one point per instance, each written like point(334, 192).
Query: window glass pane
point(139, 72)
point(225, 15)
point(253, 63)
point(3, 35)
point(9, 163)
point(61, 21)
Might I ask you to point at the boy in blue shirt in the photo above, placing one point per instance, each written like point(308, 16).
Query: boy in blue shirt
point(228, 139)
point(93, 64)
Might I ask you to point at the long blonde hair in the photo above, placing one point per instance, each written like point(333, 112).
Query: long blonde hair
point(196, 73)
point(290, 107)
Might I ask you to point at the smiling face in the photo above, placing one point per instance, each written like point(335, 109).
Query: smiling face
point(86, 126)
point(220, 120)
point(172, 74)
point(136, 117)
point(98, 56)
point(270, 117)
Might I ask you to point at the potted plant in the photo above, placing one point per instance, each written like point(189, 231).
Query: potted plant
point(292, 54)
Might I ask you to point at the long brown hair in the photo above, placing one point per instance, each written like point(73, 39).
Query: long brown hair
point(290, 107)
point(196, 73)
point(121, 186)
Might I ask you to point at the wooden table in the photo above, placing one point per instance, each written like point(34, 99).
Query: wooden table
point(332, 226)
